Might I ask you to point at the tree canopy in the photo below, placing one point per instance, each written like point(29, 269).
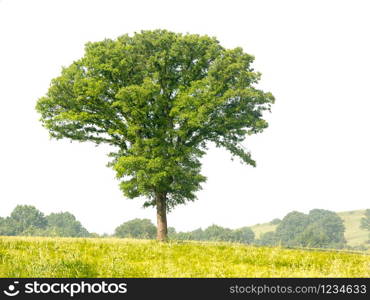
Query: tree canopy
point(291, 226)
point(319, 228)
point(28, 220)
point(158, 98)
point(22, 219)
point(137, 228)
point(217, 233)
point(66, 224)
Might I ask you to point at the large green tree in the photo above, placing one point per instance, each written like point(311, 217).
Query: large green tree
point(159, 98)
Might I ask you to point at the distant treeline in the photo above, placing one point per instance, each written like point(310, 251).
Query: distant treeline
point(144, 228)
point(27, 220)
point(318, 229)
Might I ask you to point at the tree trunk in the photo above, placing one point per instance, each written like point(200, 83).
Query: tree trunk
point(160, 200)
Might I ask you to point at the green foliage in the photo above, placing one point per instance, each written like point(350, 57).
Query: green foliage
point(354, 234)
point(4, 224)
point(171, 233)
point(26, 220)
point(23, 219)
point(320, 228)
point(293, 224)
point(275, 221)
point(196, 235)
point(78, 257)
point(137, 228)
point(65, 224)
point(217, 233)
point(269, 238)
point(158, 97)
point(326, 230)
point(243, 235)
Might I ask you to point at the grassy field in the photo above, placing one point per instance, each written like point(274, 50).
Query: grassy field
point(77, 257)
point(354, 234)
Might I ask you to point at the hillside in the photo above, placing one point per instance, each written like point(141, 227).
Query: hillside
point(354, 234)
point(89, 257)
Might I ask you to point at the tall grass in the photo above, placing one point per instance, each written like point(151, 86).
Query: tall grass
point(78, 257)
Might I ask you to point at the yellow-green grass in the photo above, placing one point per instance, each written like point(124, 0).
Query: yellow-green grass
point(77, 257)
point(353, 233)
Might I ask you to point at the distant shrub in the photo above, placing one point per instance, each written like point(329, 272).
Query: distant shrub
point(243, 235)
point(268, 239)
point(217, 233)
point(275, 221)
point(66, 225)
point(358, 247)
point(136, 228)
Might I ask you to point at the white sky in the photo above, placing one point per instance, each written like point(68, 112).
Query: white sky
point(314, 57)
